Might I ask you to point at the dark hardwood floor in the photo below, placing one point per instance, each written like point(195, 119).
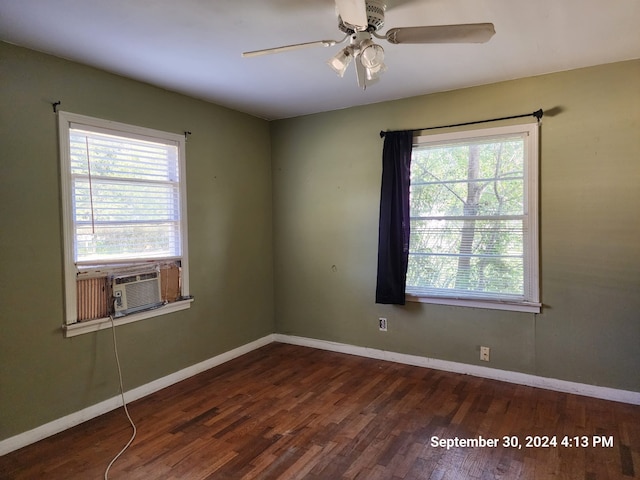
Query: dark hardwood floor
point(288, 412)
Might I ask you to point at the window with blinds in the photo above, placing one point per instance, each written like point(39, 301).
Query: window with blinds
point(473, 214)
point(124, 210)
point(126, 197)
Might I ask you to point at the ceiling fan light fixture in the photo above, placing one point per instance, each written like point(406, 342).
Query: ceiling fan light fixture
point(371, 54)
point(375, 72)
point(341, 60)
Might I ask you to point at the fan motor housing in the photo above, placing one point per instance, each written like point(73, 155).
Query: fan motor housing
point(375, 17)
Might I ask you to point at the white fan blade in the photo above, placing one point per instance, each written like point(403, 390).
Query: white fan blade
point(353, 13)
point(467, 33)
point(286, 48)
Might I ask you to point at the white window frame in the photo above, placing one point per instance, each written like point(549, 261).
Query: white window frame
point(531, 301)
point(66, 121)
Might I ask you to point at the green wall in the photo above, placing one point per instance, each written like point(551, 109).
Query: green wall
point(44, 376)
point(326, 185)
point(294, 203)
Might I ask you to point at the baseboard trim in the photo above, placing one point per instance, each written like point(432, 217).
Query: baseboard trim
point(31, 436)
point(26, 438)
point(604, 393)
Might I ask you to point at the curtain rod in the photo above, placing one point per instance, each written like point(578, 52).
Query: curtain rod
point(538, 114)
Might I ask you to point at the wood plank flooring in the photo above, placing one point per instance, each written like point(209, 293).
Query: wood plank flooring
point(288, 412)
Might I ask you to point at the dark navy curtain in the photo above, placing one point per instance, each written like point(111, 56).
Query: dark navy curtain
point(393, 236)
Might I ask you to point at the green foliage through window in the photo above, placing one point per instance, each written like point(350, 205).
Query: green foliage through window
point(468, 217)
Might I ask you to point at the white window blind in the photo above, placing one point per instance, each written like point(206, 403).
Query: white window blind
point(126, 197)
point(473, 216)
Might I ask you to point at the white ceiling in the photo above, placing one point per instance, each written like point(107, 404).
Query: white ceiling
point(194, 46)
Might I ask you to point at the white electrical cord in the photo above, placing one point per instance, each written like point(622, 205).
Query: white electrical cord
point(124, 402)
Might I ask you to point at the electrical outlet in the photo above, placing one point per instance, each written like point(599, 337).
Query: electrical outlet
point(484, 354)
point(382, 324)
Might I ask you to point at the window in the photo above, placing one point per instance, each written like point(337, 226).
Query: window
point(124, 211)
point(474, 220)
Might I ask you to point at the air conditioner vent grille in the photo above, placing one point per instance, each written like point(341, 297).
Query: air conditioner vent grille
point(133, 293)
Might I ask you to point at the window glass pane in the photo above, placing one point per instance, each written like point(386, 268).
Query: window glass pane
point(108, 201)
point(442, 276)
point(112, 242)
point(488, 197)
point(119, 157)
point(467, 208)
point(467, 256)
point(126, 197)
point(468, 179)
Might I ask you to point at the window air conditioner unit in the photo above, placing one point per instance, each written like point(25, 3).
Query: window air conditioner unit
point(136, 292)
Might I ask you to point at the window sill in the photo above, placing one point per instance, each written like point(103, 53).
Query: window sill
point(528, 307)
point(102, 323)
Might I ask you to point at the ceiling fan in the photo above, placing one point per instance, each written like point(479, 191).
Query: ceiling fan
point(360, 20)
